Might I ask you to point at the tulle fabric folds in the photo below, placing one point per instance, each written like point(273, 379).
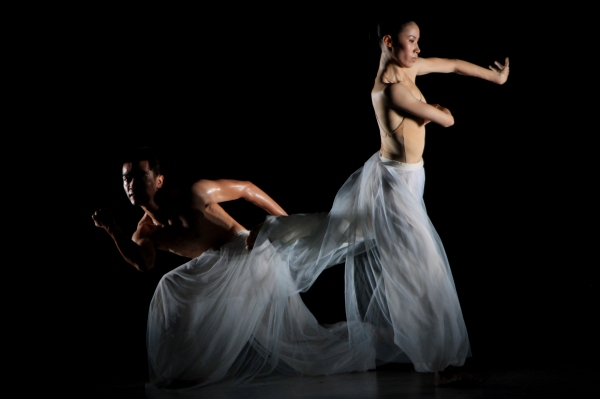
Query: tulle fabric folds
point(231, 315)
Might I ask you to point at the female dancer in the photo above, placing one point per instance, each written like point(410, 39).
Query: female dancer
point(401, 300)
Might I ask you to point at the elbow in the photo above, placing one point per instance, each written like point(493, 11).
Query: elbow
point(249, 191)
point(249, 186)
point(449, 123)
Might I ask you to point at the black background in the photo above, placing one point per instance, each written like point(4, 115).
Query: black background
point(281, 97)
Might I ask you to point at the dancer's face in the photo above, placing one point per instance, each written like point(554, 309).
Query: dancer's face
point(405, 49)
point(140, 183)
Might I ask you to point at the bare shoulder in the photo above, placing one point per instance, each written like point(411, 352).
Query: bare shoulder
point(207, 187)
point(419, 66)
point(208, 192)
point(203, 187)
point(204, 184)
point(145, 228)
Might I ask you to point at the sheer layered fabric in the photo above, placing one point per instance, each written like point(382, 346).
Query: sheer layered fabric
point(232, 315)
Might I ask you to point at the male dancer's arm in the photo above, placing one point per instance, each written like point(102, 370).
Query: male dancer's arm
point(138, 251)
point(222, 190)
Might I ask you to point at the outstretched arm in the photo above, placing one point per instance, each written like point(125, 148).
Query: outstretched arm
point(222, 190)
point(497, 73)
point(136, 250)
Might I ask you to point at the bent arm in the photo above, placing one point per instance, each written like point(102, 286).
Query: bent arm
point(136, 250)
point(222, 190)
point(142, 254)
point(496, 74)
point(400, 97)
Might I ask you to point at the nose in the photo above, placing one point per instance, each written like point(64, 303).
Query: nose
point(417, 49)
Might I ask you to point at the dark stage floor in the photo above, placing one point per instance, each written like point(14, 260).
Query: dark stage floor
point(395, 381)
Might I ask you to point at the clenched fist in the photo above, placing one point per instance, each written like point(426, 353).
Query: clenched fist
point(104, 218)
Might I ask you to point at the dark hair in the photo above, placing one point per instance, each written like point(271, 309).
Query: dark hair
point(142, 153)
point(392, 25)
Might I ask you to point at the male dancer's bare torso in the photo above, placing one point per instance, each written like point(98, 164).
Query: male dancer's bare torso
point(187, 227)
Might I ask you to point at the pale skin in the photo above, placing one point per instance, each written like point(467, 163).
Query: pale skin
point(186, 222)
point(402, 111)
point(400, 107)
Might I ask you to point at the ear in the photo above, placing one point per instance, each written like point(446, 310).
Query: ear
point(160, 179)
point(387, 40)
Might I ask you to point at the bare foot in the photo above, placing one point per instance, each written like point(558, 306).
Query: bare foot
point(451, 377)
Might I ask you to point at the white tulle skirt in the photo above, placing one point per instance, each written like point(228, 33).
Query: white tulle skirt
point(231, 315)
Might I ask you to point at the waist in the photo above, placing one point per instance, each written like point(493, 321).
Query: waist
point(401, 165)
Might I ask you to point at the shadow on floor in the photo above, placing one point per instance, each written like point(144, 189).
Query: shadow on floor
point(391, 381)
